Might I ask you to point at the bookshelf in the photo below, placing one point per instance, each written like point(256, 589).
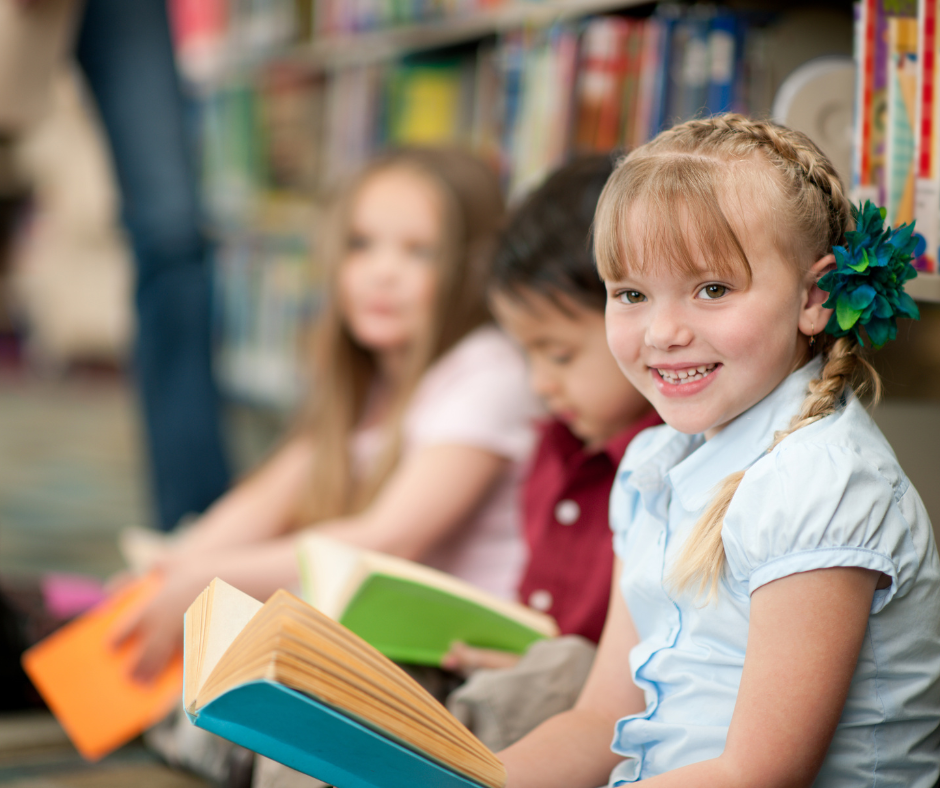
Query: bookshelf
point(335, 91)
point(364, 48)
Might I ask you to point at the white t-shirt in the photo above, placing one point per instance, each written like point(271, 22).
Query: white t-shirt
point(477, 395)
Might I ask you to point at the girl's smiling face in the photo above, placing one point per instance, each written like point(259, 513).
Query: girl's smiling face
point(704, 347)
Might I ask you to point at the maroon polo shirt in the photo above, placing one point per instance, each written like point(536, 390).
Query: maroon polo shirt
point(565, 514)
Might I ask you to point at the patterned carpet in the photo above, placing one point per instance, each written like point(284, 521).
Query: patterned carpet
point(70, 479)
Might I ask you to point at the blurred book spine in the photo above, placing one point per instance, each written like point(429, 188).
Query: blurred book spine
point(897, 116)
point(927, 184)
point(338, 17)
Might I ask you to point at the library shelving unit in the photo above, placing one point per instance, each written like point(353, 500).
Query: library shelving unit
point(524, 83)
point(349, 49)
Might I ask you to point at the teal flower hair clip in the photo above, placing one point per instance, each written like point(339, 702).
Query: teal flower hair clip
point(866, 288)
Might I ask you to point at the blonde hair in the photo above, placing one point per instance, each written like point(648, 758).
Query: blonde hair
point(682, 181)
point(343, 372)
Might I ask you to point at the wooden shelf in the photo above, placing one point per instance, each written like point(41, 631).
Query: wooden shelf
point(355, 49)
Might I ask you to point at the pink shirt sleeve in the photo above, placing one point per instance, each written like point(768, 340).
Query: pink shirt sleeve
point(476, 395)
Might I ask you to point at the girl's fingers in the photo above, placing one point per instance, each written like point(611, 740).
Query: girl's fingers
point(154, 655)
point(126, 628)
point(119, 581)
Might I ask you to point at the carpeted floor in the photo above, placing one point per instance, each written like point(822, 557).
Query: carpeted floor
point(70, 473)
point(70, 478)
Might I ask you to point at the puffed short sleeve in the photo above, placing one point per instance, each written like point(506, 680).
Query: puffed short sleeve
point(476, 396)
point(816, 506)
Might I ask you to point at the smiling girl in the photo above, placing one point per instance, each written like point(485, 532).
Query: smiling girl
point(775, 620)
point(419, 414)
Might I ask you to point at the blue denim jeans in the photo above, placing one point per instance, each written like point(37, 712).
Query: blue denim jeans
point(125, 51)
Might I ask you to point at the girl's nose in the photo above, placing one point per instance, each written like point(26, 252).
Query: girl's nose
point(385, 263)
point(667, 329)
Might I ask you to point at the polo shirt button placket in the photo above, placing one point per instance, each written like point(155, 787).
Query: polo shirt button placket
point(541, 600)
point(567, 512)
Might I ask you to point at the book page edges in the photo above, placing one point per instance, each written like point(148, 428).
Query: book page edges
point(228, 614)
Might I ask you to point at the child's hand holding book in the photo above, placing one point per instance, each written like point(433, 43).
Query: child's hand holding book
point(464, 659)
point(157, 626)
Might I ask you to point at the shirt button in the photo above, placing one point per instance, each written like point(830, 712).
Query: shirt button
point(540, 600)
point(567, 512)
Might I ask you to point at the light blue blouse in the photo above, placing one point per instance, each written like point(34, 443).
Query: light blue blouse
point(832, 494)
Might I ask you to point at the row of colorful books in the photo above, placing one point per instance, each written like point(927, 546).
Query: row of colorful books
point(211, 34)
point(897, 128)
point(340, 16)
point(525, 101)
point(266, 290)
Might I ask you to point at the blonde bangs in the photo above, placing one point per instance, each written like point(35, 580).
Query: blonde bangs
point(666, 209)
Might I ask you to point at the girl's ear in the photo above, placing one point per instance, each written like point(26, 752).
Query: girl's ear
point(813, 317)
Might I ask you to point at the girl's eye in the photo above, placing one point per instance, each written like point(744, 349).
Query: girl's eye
point(560, 359)
point(712, 292)
point(631, 297)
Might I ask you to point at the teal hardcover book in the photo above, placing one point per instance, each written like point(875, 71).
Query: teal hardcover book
point(410, 612)
point(312, 738)
point(285, 681)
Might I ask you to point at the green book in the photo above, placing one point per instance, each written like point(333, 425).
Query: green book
point(410, 612)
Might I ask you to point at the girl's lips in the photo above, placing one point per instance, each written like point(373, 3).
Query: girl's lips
point(690, 387)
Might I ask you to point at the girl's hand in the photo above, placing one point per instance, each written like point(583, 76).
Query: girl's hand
point(464, 659)
point(157, 627)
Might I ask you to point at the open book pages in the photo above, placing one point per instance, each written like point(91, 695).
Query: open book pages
point(231, 639)
point(333, 572)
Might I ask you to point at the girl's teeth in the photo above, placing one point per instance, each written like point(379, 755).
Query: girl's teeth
point(683, 376)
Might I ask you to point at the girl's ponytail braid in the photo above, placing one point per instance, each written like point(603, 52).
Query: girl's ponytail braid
point(821, 214)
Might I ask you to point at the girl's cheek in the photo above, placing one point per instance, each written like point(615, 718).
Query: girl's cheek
point(621, 339)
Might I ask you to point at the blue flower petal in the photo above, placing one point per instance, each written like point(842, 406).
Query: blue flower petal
point(861, 297)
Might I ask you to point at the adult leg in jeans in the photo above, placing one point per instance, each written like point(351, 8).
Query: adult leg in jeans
point(125, 51)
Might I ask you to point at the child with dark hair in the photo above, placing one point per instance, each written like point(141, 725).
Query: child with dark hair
point(546, 293)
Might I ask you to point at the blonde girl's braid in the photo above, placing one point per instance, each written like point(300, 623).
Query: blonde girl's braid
point(820, 215)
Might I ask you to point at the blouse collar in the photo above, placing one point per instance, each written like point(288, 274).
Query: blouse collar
point(694, 467)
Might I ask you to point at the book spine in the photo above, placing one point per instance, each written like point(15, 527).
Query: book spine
point(721, 49)
point(901, 124)
point(927, 186)
point(863, 186)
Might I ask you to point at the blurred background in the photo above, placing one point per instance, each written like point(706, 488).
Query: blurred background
point(277, 101)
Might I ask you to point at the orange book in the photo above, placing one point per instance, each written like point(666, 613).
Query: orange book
point(87, 683)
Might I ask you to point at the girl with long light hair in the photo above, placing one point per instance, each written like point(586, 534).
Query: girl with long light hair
point(418, 418)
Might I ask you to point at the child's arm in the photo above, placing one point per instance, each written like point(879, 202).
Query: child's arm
point(426, 499)
point(572, 749)
point(805, 634)
point(430, 495)
point(466, 660)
